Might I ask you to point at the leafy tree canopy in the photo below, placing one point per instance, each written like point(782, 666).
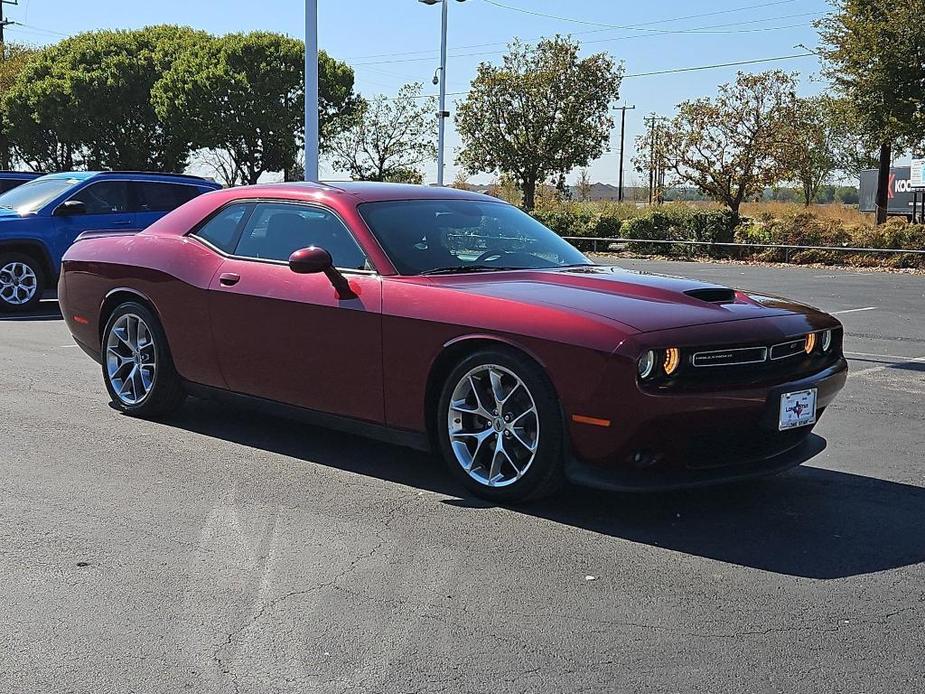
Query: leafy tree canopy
point(729, 147)
point(541, 113)
point(86, 101)
point(243, 94)
point(388, 139)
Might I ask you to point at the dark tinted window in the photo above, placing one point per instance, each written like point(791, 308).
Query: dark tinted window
point(104, 197)
point(221, 230)
point(456, 235)
point(162, 197)
point(9, 184)
point(274, 231)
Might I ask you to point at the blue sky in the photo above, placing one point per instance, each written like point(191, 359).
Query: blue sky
point(390, 42)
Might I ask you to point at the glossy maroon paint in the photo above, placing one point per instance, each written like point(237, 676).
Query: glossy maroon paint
point(372, 355)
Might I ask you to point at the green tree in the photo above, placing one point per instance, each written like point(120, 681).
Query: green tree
point(874, 53)
point(388, 139)
point(13, 60)
point(809, 151)
point(86, 101)
point(729, 147)
point(242, 94)
point(541, 113)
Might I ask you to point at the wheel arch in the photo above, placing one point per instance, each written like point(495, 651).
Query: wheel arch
point(118, 296)
point(35, 249)
point(454, 352)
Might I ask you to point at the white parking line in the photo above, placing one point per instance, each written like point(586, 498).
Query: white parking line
point(853, 310)
point(875, 369)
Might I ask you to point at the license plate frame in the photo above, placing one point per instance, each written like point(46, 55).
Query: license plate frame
point(797, 409)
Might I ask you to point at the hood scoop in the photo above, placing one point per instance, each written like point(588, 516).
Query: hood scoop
point(713, 295)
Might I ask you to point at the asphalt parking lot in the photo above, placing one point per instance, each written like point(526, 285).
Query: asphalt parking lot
point(225, 551)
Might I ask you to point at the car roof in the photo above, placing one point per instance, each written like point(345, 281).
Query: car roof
point(19, 175)
point(361, 191)
point(135, 175)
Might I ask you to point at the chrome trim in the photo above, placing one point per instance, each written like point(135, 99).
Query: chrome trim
point(801, 341)
point(764, 357)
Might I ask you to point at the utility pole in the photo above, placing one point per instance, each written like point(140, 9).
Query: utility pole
point(650, 121)
point(623, 110)
point(5, 22)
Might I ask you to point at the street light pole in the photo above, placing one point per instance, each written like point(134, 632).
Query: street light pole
point(311, 90)
point(442, 114)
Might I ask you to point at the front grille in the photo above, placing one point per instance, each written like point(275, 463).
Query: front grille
point(730, 357)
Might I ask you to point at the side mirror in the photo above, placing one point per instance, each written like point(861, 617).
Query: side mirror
point(306, 261)
point(70, 207)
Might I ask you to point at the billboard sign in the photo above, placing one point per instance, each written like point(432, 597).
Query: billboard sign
point(917, 173)
point(899, 190)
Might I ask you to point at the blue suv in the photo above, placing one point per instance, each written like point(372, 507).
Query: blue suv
point(41, 218)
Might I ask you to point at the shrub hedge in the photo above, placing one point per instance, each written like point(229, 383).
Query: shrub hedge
point(680, 222)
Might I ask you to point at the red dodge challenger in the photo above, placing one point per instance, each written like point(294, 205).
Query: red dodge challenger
point(451, 321)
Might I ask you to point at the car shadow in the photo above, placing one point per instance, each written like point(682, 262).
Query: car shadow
point(47, 310)
point(809, 522)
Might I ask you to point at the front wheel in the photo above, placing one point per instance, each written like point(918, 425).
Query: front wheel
point(500, 427)
point(137, 367)
point(21, 282)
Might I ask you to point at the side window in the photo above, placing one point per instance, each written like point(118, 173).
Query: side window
point(221, 230)
point(274, 231)
point(162, 197)
point(105, 197)
point(9, 184)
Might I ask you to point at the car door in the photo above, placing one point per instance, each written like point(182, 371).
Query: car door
point(289, 337)
point(106, 208)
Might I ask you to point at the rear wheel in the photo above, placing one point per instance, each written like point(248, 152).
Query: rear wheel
point(137, 367)
point(22, 282)
point(500, 428)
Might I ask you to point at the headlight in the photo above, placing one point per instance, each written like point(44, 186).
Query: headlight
point(810, 343)
point(672, 360)
point(826, 340)
point(646, 364)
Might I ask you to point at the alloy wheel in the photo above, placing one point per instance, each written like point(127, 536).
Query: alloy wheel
point(493, 425)
point(18, 283)
point(131, 359)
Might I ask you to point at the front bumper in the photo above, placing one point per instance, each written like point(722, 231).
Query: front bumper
point(688, 440)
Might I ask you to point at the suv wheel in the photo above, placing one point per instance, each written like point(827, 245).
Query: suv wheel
point(21, 282)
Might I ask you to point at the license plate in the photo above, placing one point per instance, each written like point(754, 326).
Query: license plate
point(797, 409)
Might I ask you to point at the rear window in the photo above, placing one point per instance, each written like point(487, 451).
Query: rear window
point(221, 230)
point(162, 197)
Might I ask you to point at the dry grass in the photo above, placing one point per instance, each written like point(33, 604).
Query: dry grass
point(848, 214)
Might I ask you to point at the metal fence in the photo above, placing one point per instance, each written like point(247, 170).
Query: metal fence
point(782, 246)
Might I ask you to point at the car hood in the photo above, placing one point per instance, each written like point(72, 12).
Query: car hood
point(8, 213)
point(643, 301)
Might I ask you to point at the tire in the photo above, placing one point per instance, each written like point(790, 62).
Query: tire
point(137, 367)
point(22, 282)
point(469, 441)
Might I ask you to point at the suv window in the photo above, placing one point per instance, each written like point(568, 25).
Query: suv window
point(221, 230)
point(162, 197)
point(105, 197)
point(274, 231)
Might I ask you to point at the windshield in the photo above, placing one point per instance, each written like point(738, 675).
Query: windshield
point(36, 193)
point(432, 236)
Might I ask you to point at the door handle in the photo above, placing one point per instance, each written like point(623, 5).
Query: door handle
point(228, 279)
point(122, 223)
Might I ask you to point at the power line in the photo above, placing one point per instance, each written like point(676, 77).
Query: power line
point(598, 31)
point(704, 31)
point(634, 27)
point(676, 70)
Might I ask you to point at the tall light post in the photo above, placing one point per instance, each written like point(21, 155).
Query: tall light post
point(442, 113)
point(311, 90)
